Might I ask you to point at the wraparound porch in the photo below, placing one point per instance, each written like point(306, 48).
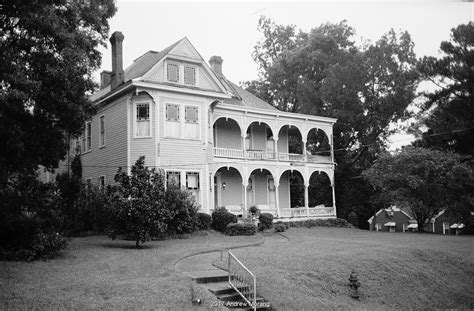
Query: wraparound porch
point(285, 192)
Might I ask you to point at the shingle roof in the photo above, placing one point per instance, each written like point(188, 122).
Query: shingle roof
point(144, 63)
point(240, 97)
point(243, 97)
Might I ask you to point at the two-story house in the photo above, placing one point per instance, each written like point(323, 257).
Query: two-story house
point(225, 145)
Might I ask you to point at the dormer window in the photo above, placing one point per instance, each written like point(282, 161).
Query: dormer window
point(189, 75)
point(182, 73)
point(173, 72)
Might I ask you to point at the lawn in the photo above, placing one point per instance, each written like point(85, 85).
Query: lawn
point(306, 270)
point(98, 273)
point(310, 270)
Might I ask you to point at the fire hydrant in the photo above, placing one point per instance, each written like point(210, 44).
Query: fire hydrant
point(354, 285)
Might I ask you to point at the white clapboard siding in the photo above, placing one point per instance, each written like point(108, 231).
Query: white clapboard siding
point(106, 160)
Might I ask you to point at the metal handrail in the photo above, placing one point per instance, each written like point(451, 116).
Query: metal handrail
point(249, 295)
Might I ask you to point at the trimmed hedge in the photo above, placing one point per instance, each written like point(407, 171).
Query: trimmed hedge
point(266, 220)
point(331, 222)
point(203, 221)
point(221, 218)
point(280, 227)
point(241, 229)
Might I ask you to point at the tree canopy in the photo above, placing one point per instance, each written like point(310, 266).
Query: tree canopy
point(424, 181)
point(324, 72)
point(450, 108)
point(49, 52)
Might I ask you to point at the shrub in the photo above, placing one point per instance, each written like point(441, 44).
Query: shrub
point(280, 227)
point(253, 210)
point(221, 218)
point(92, 213)
point(241, 229)
point(352, 217)
point(266, 219)
point(203, 221)
point(183, 209)
point(332, 222)
point(31, 220)
point(138, 204)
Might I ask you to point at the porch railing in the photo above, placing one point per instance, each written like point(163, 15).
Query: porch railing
point(242, 280)
point(260, 155)
point(228, 153)
point(264, 155)
point(290, 157)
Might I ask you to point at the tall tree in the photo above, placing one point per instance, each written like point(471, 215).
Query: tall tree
point(424, 181)
point(323, 72)
point(49, 52)
point(450, 108)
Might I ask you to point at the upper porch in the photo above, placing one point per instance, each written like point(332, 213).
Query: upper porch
point(271, 136)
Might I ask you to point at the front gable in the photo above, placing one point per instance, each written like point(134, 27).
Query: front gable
point(182, 67)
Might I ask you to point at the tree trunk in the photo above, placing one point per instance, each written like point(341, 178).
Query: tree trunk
point(421, 228)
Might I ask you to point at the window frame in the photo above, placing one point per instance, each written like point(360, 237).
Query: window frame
point(167, 119)
point(102, 178)
point(136, 121)
point(178, 69)
point(197, 113)
point(176, 173)
point(198, 180)
point(194, 68)
point(102, 131)
point(88, 137)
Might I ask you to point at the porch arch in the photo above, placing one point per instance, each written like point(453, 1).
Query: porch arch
point(227, 133)
point(262, 190)
point(318, 143)
point(320, 189)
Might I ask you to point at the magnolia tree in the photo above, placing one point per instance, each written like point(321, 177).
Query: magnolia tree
point(137, 203)
point(425, 181)
point(142, 207)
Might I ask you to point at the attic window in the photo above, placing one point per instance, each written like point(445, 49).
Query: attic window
point(173, 73)
point(189, 75)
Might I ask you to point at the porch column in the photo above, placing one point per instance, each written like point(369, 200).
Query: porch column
point(210, 199)
point(277, 198)
point(305, 157)
point(244, 186)
point(334, 197)
point(244, 154)
point(306, 199)
point(275, 141)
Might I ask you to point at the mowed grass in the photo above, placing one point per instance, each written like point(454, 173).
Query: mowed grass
point(98, 273)
point(310, 270)
point(307, 271)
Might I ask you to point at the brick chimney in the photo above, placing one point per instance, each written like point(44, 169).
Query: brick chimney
point(216, 64)
point(117, 77)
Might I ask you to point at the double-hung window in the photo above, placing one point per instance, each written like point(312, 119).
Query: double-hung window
point(173, 123)
point(192, 184)
point(172, 72)
point(173, 178)
point(191, 122)
point(192, 181)
point(189, 75)
point(142, 113)
point(102, 182)
point(102, 131)
point(88, 136)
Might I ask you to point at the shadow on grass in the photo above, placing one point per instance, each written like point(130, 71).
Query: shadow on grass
point(125, 245)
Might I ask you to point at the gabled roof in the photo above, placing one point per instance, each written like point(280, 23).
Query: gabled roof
point(145, 63)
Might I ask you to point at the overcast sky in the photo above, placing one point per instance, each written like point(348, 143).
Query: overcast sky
point(229, 29)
